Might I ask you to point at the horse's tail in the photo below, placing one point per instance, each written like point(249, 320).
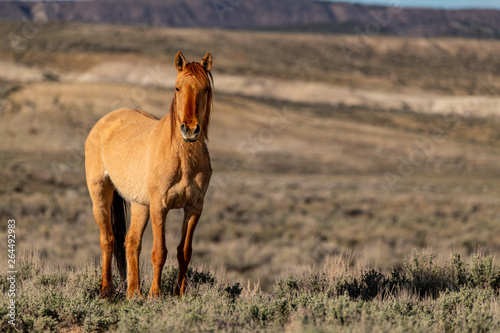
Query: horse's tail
point(119, 224)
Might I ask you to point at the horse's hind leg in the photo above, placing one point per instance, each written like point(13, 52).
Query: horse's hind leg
point(138, 222)
point(101, 191)
point(101, 209)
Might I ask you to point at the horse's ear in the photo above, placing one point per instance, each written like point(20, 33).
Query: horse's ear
point(180, 61)
point(206, 61)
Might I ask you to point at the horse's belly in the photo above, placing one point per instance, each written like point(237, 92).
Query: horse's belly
point(132, 186)
point(124, 152)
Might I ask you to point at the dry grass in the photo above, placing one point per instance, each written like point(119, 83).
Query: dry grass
point(426, 294)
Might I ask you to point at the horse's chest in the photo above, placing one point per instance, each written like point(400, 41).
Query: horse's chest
point(183, 194)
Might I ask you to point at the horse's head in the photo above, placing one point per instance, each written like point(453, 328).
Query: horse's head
point(193, 97)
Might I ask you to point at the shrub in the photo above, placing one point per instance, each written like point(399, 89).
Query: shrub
point(421, 296)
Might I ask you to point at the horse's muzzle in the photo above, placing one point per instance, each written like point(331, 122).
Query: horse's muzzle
point(190, 135)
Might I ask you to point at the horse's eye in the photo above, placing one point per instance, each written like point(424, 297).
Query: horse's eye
point(177, 89)
point(206, 89)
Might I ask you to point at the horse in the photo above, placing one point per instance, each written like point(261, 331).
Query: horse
point(151, 165)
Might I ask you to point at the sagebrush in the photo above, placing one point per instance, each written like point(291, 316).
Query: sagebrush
point(423, 294)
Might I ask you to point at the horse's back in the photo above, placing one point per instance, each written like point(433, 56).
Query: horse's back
point(131, 121)
point(121, 126)
point(118, 147)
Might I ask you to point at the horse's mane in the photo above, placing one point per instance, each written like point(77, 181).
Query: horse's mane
point(202, 76)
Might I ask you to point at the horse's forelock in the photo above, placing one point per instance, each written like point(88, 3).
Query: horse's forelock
point(196, 70)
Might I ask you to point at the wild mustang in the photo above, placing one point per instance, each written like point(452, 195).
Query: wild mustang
point(155, 165)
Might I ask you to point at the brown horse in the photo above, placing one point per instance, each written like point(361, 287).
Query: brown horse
point(155, 165)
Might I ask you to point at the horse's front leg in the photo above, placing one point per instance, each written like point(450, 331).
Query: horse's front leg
point(159, 253)
point(185, 248)
point(138, 222)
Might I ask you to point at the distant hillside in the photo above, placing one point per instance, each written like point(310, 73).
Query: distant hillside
point(265, 14)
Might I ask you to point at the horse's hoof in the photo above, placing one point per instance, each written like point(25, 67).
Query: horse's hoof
point(106, 293)
point(178, 291)
point(134, 295)
point(154, 295)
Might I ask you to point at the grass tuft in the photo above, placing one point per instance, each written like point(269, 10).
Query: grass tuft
point(424, 294)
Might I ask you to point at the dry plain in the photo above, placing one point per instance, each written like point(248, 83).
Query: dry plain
point(392, 148)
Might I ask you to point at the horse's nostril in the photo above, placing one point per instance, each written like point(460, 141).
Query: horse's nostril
point(197, 130)
point(183, 128)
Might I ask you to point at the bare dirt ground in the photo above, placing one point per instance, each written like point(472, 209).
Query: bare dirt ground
point(314, 154)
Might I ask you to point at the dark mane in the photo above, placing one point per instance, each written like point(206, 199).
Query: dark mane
point(203, 77)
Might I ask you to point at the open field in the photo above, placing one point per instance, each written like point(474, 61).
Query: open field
point(444, 294)
point(399, 150)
